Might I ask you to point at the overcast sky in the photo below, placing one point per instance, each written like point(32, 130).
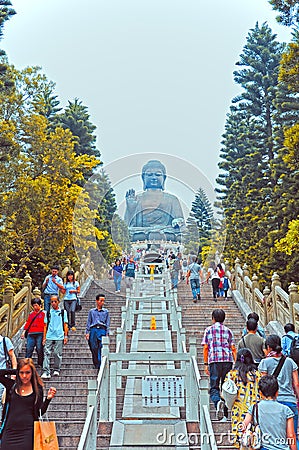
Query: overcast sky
point(156, 75)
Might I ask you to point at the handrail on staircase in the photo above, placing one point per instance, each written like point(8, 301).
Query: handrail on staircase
point(95, 388)
point(273, 304)
point(201, 401)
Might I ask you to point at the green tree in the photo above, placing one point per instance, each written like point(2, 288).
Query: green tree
point(39, 183)
point(250, 150)
point(191, 238)
point(46, 102)
point(5, 14)
point(202, 212)
point(288, 9)
point(199, 224)
point(76, 118)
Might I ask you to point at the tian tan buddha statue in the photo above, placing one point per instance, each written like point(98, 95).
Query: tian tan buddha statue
point(153, 214)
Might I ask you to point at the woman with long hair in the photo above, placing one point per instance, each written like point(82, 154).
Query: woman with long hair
point(287, 378)
point(23, 405)
point(117, 274)
point(213, 275)
point(72, 289)
point(246, 378)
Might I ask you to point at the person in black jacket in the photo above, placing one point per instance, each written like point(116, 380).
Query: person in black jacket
point(23, 405)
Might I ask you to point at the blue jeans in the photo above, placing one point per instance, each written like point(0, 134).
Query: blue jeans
point(117, 282)
point(70, 307)
point(174, 278)
point(95, 345)
point(195, 287)
point(35, 340)
point(218, 371)
point(293, 407)
point(47, 302)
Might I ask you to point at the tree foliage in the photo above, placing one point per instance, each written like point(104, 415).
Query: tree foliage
point(42, 183)
point(288, 11)
point(257, 184)
point(199, 224)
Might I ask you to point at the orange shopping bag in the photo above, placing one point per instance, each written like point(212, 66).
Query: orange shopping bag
point(45, 437)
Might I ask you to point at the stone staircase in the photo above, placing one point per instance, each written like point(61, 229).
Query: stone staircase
point(68, 409)
point(195, 318)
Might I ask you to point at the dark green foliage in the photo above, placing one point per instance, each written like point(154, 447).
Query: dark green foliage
point(46, 103)
point(76, 118)
point(288, 9)
point(251, 166)
point(5, 13)
point(199, 224)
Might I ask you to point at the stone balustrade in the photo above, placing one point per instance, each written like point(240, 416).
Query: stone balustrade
point(273, 304)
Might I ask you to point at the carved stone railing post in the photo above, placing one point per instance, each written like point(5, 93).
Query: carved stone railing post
point(255, 284)
point(8, 298)
point(27, 283)
point(275, 282)
point(233, 280)
point(245, 274)
point(245, 271)
point(227, 266)
point(294, 298)
point(36, 293)
point(238, 279)
point(266, 293)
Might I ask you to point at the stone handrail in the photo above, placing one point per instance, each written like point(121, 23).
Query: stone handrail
point(88, 439)
point(16, 307)
point(272, 304)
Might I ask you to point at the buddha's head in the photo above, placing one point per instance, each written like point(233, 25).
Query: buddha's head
point(153, 175)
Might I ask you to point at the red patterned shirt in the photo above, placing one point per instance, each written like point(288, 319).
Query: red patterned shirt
point(219, 339)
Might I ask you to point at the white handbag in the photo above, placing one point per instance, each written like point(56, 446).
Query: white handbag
point(229, 392)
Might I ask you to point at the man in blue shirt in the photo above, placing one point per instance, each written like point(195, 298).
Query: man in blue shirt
point(97, 326)
point(287, 339)
point(55, 335)
point(52, 285)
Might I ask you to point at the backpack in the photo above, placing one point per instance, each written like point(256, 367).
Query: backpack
point(185, 263)
point(294, 349)
point(176, 264)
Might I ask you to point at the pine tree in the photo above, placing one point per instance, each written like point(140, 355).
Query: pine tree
point(288, 9)
point(249, 150)
point(46, 103)
point(76, 118)
point(5, 14)
point(203, 213)
point(199, 224)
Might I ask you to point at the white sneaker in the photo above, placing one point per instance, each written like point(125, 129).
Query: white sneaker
point(55, 373)
point(224, 419)
point(219, 408)
point(45, 376)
